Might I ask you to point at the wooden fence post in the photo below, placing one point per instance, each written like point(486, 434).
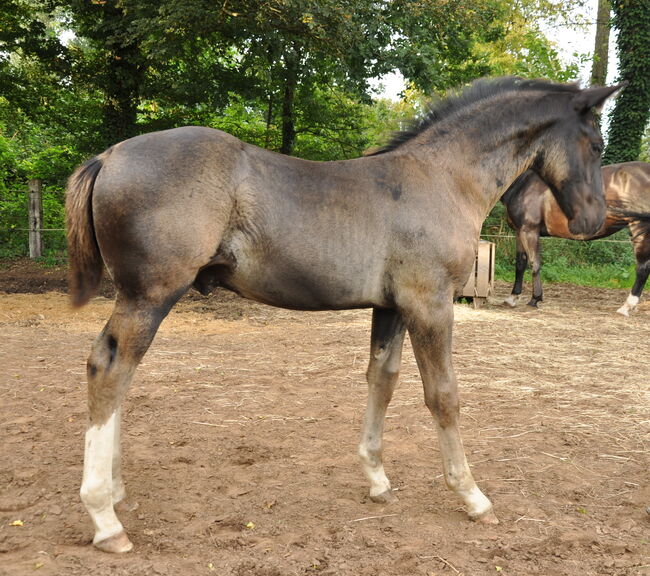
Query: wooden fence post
point(35, 218)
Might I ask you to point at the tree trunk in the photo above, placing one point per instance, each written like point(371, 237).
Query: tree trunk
point(269, 120)
point(35, 218)
point(292, 58)
point(601, 47)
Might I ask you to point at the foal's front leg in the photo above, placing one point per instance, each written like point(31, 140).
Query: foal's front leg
point(387, 339)
point(431, 339)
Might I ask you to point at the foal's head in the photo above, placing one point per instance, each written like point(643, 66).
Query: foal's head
point(569, 158)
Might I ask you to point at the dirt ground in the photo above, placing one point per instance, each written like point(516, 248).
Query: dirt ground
point(242, 424)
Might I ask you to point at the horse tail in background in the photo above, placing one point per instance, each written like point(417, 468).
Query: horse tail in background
point(630, 214)
point(640, 218)
point(85, 260)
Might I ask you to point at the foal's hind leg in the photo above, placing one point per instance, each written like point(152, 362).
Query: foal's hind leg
point(386, 343)
point(114, 357)
point(430, 329)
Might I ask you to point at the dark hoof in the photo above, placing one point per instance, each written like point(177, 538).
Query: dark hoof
point(387, 497)
point(117, 544)
point(533, 303)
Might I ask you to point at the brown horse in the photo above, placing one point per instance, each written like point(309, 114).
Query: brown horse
point(533, 212)
point(396, 231)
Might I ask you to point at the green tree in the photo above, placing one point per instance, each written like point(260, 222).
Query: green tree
point(107, 57)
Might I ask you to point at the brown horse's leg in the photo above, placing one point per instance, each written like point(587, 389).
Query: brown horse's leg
point(431, 335)
point(113, 359)
point(387, 339)
point(641, 242)
point(531, 245)
point(521, 263)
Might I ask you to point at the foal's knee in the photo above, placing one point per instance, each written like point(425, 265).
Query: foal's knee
point(443, 405)
point(382, 380)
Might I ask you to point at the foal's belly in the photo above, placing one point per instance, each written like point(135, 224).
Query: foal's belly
point(303, 276)
point(303, 286)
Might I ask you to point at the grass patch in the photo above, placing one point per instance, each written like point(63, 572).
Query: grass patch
point(601, 276)
point(599, 264)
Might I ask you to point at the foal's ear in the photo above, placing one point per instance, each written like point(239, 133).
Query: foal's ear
point(595, 97)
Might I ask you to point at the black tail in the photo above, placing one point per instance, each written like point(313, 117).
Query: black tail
point(638, 221)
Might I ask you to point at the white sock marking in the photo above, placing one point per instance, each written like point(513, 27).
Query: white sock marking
point(97, 483)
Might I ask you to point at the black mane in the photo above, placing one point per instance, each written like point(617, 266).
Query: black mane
point(478, 90)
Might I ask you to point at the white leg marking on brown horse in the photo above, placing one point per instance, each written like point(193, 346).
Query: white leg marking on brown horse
point(97, 486)
point(629, 306)
point(511, 300)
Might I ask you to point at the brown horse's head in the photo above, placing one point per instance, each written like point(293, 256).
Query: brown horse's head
point(569, 161)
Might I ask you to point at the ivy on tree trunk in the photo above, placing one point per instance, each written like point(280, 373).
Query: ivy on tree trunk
point(632, 109)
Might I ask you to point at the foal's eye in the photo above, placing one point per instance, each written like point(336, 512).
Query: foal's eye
point(597, 147)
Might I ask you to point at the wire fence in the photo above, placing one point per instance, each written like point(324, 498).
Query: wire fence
point(513, 237)
point(14, 242)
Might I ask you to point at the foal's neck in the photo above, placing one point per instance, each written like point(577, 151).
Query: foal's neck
point(492, 145)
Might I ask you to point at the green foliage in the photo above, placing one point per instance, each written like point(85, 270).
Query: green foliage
point(287, 75)
point(632, 109)
point(644, 156)
point(32, 151)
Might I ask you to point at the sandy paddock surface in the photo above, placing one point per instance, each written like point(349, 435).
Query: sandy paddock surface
point(241, 430)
